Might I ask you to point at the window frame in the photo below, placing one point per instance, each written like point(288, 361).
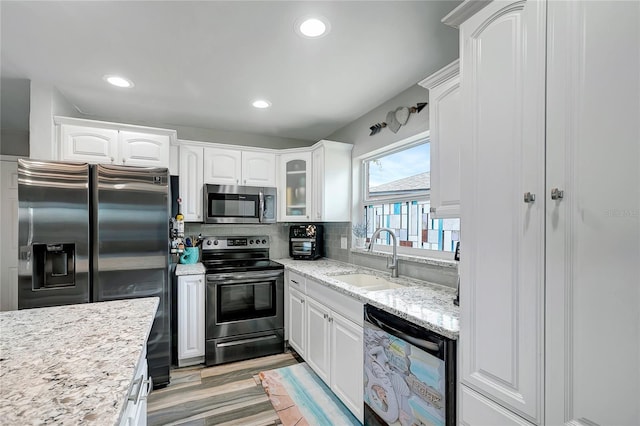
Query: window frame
point(364, 177)
point(361, 175)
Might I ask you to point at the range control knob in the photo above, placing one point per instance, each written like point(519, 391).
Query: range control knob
point(208, 242)
point(251, 241)
point(215, 243)
point(264, 241)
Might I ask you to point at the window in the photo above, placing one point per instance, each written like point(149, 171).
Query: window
point(399, 174)
point(396, 196)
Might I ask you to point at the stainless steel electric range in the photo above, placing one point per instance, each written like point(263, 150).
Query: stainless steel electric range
point(245, 299)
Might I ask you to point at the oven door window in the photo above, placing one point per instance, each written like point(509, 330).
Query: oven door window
point(303, 247)
point(243, 301)
point(233, 205)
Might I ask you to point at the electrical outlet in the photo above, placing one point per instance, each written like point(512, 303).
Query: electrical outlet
point(343, 242)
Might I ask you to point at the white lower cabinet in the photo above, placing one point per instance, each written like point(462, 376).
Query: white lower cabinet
point(325, 329)
point(135, 410)
point(478, 410)
point(191, 300)
point(318, 343)
point(347, 362)
point(296, 321)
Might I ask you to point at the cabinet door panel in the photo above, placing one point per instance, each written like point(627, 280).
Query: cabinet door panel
point(445, 136)
point(143, 149)
point(89, 144)
point(295, 199)
point(317, 160)
point(222, 166)
point(347, 363)
point(297, 322)
point(477, 410)
point(318, 338)
point(593, 232)
point(191, 294)
point(191, 182)
point(502, 288)
point(258, 169)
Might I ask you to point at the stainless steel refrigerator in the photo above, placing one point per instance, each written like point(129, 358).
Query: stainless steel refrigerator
point(92, 233)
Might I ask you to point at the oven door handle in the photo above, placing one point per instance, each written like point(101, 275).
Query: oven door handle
point(238, 277)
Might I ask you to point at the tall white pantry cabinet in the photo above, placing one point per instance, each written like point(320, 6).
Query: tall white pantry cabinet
point(550, 207)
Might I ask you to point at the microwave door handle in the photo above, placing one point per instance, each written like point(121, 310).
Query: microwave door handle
point(261, 207)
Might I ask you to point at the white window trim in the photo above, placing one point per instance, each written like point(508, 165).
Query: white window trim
point(361, 201)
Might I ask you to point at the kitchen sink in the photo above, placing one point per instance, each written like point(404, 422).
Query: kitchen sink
point(367, 281)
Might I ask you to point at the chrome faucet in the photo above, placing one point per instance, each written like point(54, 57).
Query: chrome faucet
point(393, 265)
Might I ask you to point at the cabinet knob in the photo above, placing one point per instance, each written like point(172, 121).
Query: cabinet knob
point(112, 159)
point(124, 160)
point(557, 194)
point(325, 316)
point(302, 301)
point(330, 319)
point(432, 210)
point(529, 197)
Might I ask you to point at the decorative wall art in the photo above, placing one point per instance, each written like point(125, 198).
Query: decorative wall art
point(396, 119)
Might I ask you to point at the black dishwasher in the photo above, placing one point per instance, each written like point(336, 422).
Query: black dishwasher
point(409, 373)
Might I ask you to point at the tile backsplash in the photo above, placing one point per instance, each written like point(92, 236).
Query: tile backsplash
point(333, 232)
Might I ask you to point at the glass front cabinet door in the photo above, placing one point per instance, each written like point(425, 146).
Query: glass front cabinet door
point(295, 193)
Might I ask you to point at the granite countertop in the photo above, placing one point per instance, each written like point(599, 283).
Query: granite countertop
point(193, 269)
point(71, 364)
point(426, 304)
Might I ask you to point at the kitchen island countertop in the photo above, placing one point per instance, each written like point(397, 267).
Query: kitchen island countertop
point(71, 364)
point(426, 304)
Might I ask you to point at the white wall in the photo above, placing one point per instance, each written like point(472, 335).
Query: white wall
point(46, 101)
point(358, 131)
point(14, 116)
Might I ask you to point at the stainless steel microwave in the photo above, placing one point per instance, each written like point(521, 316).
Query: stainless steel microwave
point(239, 204)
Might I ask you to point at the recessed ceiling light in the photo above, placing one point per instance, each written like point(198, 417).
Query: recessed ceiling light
point(118, 81)
point(260, 103)
point(312, 27)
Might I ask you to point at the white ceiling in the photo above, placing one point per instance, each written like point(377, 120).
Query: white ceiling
point(200, 64)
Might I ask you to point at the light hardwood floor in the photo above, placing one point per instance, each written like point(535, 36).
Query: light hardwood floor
point(229, 394)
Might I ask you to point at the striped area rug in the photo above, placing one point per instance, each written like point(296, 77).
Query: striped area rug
point(224, 395)
point(301, 398)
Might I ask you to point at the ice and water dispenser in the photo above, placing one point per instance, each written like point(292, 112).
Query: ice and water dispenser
point(53, 265)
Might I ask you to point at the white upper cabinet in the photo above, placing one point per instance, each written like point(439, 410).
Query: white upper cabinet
point(88, 144)
point(224, 166)
point(295, 181)
point(144, 149)
point(502, 280)
point(445, 134)
point(99, 142)
point(315, 184)
point(331, 183)
point(191, 182)
point(258, 168)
